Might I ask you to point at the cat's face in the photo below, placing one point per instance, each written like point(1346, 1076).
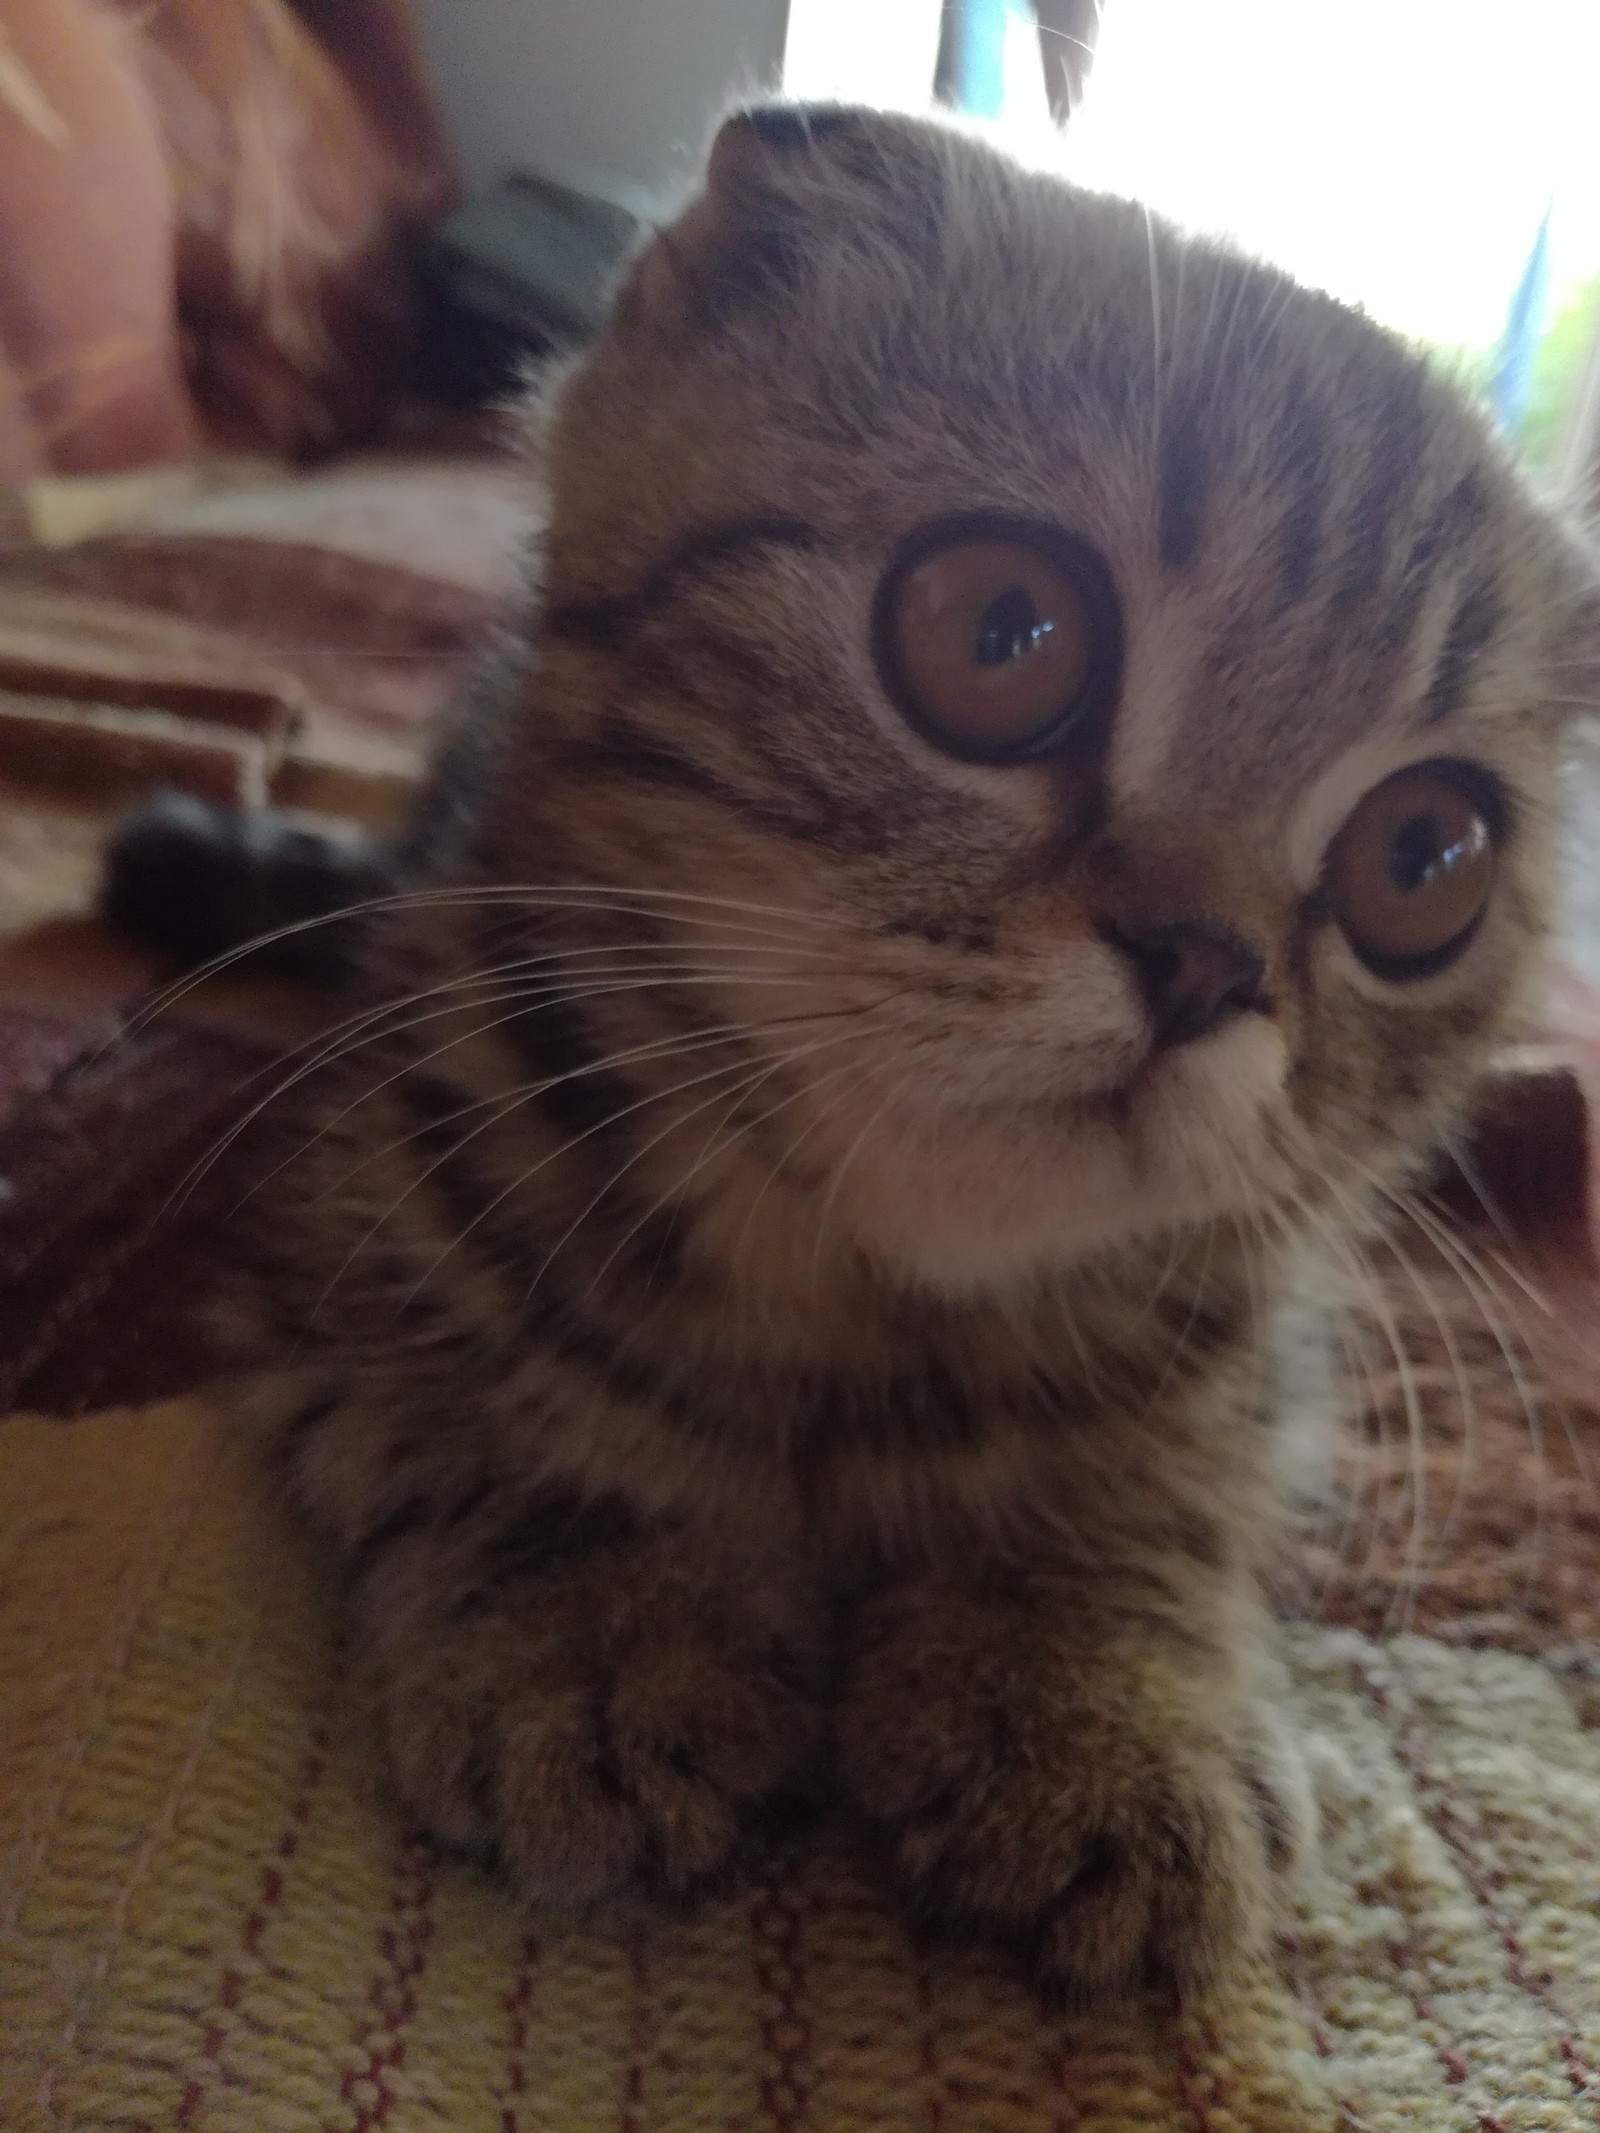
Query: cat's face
point(1140, 681)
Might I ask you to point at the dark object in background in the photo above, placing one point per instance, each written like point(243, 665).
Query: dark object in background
point(514, 275)
point(1067, 33)
point(196, 880)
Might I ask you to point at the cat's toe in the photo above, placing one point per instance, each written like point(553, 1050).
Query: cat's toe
point(1121, 1823)
point(1176, 1887)
point(644, 1773)
point(1172, 1880)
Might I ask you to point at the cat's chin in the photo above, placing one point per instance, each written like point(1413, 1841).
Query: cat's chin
point(978, 1201)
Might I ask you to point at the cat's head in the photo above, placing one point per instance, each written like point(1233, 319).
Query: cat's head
point(1118, 694)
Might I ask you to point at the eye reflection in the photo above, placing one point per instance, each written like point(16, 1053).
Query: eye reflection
point(1010, 628)
point(1410, 873)
point(998, 642)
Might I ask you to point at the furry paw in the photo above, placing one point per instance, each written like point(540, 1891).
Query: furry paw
point(1098, 1807)
point(603, 1731)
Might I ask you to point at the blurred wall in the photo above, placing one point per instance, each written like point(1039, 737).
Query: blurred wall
point(616, 95)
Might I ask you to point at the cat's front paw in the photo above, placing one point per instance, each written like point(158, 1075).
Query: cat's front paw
point(595, 1738)
point(1095, 1807)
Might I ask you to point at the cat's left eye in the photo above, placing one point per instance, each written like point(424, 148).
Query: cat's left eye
point(997, 642)
point(1409, 874)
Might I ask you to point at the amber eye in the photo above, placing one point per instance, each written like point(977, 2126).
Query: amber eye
point(1410, 872)
point(996, 645)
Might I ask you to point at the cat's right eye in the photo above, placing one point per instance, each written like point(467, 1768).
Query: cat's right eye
point(997, 641)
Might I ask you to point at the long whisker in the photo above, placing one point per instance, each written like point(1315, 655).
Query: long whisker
point(509, 1102)
point(506, 1101)
point(497, 984)
point(1345, 1251)
point(1416, 1537)
point(498, 1100)
point(517, 1183)
point(717, 1142)
point(843, 1165)
point(1478, 1279)
point(1469, 1172)
point(1479, 1284)
point(1357, 1363)
point(579, 964)
point(1463, 1382)
point(381, 1029)
point(1164, 1278)
point(1184, 1337)
point(754, 1079)
point(655, 904)
point(790, 1151)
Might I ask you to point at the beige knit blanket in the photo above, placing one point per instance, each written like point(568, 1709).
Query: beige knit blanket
point(210, 1916)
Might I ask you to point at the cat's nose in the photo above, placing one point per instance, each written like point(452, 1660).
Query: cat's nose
point(1195, 975)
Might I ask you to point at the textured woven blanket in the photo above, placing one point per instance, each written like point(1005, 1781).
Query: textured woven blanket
point(210, 1916)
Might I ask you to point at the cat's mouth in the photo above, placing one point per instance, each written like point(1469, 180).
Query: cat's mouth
point(968, 1192)
point(1243, 1063)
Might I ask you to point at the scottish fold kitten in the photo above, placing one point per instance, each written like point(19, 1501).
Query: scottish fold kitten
point(1020, 800)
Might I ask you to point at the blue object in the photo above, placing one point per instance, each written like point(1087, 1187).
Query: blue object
point(972, 56)
point(1513, 371)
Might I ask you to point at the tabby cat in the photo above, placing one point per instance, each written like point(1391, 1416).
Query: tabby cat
point(1020, 800)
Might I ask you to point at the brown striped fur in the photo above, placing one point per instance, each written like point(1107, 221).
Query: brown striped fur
point(772, 1321)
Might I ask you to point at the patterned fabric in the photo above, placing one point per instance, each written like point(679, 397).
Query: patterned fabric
point(210, 1917)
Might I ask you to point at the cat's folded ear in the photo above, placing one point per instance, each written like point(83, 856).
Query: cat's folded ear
point(781, 149)
point(779, 177)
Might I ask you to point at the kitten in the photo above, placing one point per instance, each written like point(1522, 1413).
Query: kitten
point(1022, 801)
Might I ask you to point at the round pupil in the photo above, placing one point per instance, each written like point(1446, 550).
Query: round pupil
point(1008, 627)
point(1418, 854)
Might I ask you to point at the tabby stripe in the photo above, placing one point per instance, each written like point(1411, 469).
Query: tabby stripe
point(1305, 469)
point(1475, 621)
point(826, 818)
point(608, 621)
point(924, 1410)
point(500, 1238)
point(1185, 472)
point(1461, 514)
point(619, 748)
point(538, 1536)
point(580, 1094)
point(1458, 517)
point(442, 1125)
point(1387, 485)
point(296, 1433)
point(419, 1512)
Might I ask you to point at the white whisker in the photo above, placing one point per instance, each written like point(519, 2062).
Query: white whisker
point(654, 904)
point(754, 1079)
point(521, 1000)
point(726, 1033)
